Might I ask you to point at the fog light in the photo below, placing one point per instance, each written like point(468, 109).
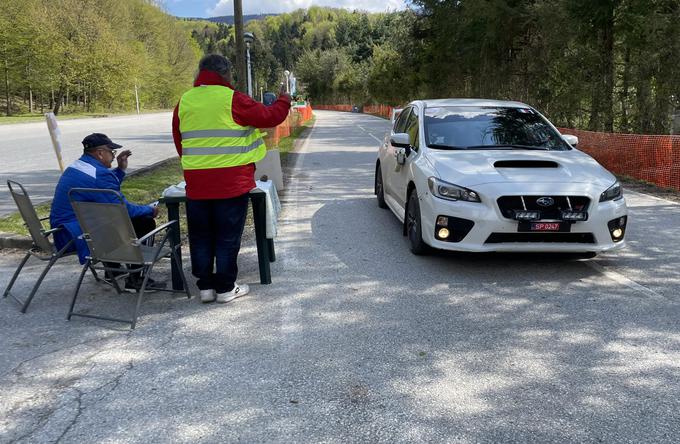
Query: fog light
point(617, 228)
point(574, 215)
point(527, 215)
point(443, 221)
point(443, 233)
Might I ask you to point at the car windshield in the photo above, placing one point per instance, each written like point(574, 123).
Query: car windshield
point(470, 127)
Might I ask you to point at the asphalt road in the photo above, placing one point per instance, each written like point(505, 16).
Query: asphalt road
point(27, 156)
point(357, 340)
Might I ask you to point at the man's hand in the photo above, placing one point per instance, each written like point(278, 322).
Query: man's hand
point(122, 159)
point(282, 91)
point(155, 211)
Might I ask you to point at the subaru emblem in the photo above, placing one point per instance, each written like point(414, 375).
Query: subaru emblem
point(545, 201)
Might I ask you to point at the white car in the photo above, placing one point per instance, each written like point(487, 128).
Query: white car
point(484, 175)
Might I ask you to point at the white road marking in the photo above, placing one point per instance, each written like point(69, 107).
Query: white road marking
point(364, 129)
point(621, 279)
point(378, 140)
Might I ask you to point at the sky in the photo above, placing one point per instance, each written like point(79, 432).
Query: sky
point(214, 8)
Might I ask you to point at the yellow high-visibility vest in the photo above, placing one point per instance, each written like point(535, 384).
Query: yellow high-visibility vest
point(210, 137)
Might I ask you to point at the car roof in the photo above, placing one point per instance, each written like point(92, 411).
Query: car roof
point(429, 103)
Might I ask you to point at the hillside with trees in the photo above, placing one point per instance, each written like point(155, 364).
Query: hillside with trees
point(90, 55)
point(603, 65)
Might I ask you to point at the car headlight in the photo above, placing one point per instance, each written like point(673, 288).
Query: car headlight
point(449, 191)
point(614, 192)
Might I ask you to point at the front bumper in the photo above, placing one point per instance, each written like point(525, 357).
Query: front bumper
point(494, 232)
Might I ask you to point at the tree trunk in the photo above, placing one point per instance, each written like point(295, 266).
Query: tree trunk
point(608, 71)
point(59, 99)
point(625, 87)
point(7, 103)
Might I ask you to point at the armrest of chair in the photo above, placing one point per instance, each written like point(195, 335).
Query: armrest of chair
point(52, 231)
point(165, 226)
point(43, 218)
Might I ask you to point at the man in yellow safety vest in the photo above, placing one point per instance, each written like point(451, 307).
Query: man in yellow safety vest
point(215, 130)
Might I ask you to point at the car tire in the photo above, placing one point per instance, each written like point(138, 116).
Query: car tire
point(380, 188)
point(414, 229)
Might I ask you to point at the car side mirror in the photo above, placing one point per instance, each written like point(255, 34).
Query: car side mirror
point(400, 140)
point(571, 140)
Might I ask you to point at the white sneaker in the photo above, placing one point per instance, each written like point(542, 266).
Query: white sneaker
point(207, 296)
point(238, 291)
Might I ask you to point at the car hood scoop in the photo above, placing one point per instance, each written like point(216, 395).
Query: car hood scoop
point(525, 163)
point(468, 168)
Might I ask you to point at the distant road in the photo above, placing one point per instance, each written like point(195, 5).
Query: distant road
point(26, 153)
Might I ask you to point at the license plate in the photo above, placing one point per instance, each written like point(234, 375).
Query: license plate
point(543, 226)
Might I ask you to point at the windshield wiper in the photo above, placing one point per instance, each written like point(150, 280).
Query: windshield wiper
point(445, 147)
point(509, 146)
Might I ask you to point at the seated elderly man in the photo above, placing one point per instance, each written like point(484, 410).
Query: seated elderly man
point(94, 170)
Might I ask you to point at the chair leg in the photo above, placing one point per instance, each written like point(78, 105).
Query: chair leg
point(94, 273)
point(37, 284)
point(175, 258)
point(16, 275)
point(75, 293)
point(140, 295)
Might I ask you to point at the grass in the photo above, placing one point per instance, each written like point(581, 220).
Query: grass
point(146, 187)
point(38, 117)
point(287, 144)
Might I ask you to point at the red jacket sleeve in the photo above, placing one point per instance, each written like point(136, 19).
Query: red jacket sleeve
point(248, 112)
point(176, 135)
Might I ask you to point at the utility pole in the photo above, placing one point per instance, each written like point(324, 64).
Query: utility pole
point(239, 63)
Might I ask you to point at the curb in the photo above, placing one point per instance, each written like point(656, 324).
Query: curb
point(12, 240)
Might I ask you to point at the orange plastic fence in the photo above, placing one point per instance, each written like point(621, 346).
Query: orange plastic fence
point(296, 117)
point(652, 158)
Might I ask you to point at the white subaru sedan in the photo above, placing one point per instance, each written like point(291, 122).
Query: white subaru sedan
point(484, 175)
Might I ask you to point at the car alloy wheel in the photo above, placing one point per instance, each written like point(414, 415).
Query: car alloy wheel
point(413, 225)
point(379, 188)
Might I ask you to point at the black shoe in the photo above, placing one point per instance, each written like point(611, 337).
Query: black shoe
point(135, 284)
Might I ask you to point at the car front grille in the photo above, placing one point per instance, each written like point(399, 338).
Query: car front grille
point(509, 204)
point(566, 238)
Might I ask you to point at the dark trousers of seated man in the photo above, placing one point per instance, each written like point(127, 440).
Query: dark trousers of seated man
point(142, 225)
point(215, 230)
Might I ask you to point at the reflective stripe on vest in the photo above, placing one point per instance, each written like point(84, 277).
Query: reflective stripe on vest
point(210, 137)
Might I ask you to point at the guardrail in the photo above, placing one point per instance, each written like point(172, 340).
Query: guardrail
point(652, 158)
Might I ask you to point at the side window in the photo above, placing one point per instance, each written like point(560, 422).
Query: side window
point(412, 129)
point(400, 124)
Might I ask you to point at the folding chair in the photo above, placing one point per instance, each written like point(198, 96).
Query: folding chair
point(111, 238)
point(42, 248)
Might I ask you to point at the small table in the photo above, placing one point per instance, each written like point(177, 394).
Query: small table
point(265, 246)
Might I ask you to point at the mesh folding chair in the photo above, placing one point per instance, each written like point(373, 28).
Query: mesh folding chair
point(42, 248)
point(111, 238)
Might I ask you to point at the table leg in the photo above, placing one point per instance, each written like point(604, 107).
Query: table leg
point(260, 221)
point(175, 242)
point(272, 253)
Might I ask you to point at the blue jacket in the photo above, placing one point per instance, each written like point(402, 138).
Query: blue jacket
point(86, 172)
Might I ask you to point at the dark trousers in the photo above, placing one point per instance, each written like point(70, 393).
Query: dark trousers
point(215, 230)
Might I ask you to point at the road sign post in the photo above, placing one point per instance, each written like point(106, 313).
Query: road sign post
point(55, 134)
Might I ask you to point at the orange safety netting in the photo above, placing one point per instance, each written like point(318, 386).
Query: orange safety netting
point(651, 158)
point(347, 108)
point(297, 116)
